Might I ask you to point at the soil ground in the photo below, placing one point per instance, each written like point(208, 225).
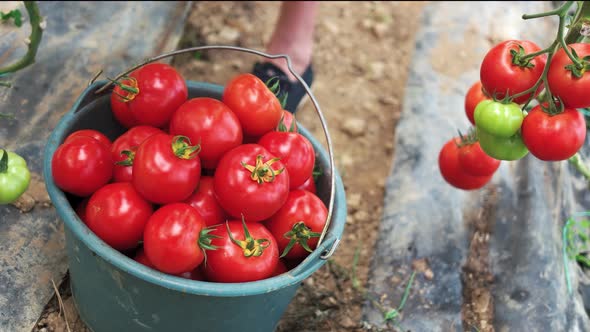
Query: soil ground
point(361, 58)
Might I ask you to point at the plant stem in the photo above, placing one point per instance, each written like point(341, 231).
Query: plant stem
point(559, 11)
point(581, 18)
point(407, 292)
point(34, 40)
point(559, 41)
point(565, 256)
point(578, 163)
point(534, 88)
point(532, 55)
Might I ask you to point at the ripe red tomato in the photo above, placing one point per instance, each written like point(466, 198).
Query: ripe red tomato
point(244, 253)
point(205, 202)
point(450, 169)
point(309, 185)
point(172, 238)
point(117, 214)
point(258, 109)
point(208, 122)
point(553, 137)
point(166, 169)
point(196, 274)
point(499, 75)
point(81, 166)
point(287, 122)
point(298, 225)
point(128, 141)
point(92, 133)
point(280, 269)
point(81, 209)
point(142, 258)
point(472, 98)
point(120, 108)
point(252, 182)
point(158, 90)
point(295, 152)
point(572, 90)
point(474, 161)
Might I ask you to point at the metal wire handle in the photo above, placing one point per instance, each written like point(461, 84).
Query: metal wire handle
point(316, 106)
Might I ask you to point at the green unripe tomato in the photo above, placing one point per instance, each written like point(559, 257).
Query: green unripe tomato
point(14, 176)
point(502, 148)
point(498, 119)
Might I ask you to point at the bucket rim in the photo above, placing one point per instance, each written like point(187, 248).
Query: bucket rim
point(83, 234)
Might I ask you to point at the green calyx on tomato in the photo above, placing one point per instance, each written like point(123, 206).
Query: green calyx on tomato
point(502, 148)
point(300, 233)
point(129, 88)
point(274, 87)
point(498, 118)
point(205, 241)
point(250, 246)
point(578, 71)
point(470, 138)
point(283, 128)
point(128, 161)
point(182, 148)
point(262, 172)
point(519, 58)
point(553, 108)
point(14, 177)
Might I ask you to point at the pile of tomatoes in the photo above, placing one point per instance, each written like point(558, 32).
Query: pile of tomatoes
point(206, 189)
point(512, 75)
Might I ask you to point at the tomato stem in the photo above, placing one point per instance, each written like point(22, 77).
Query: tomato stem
point(34, 39)
point(205, 240)
point(262, 171)
point(559, 42)
point(182, 148)
point(250, 246)
point(470, 138)
point(130, 88)
point(580, 165)
point(558, 11)
point(128, 161)
point(579, 23)
point(300, 234)
point(4, 162)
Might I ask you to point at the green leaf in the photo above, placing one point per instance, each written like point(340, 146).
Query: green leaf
point(574, 53)
point(16, 16)
point(583, 260)
point(7, 116)
point(4, 162)
point(391, 315)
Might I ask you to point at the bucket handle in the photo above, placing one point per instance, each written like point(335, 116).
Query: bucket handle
point(325, 255)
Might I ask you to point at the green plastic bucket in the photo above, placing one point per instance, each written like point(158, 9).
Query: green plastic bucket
point(114, 293)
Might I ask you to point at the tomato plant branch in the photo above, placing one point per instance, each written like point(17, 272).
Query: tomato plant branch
point(578, 163)
point(559, 11)
point(554, 47)
point(559, 41)
point(532, 55)
point(32, 41)
point(581, 20)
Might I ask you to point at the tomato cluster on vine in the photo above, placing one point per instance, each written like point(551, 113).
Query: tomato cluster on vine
point(207, 189)
point(527, 100)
